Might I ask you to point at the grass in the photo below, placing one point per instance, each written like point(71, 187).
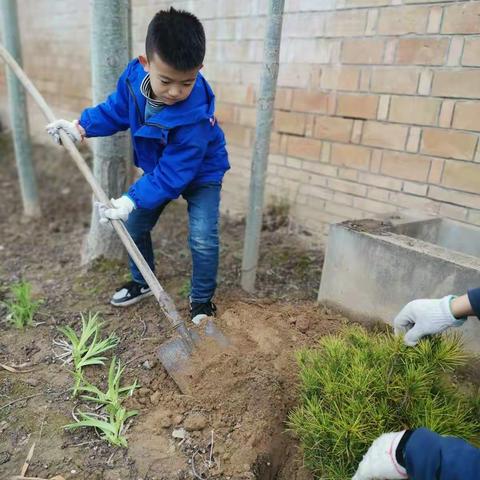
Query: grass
point(22, 307)
point(111, 422)
point(86, 349)
point(357, 385)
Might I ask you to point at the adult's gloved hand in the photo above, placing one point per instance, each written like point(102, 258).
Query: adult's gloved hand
point(380, 461)
point(122, 207)
point(425, 317)
point(73, 129)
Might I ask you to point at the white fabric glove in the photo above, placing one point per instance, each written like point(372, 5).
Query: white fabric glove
point(425, 317)
point(380, 462)
point(122, 207)
point(72, 129)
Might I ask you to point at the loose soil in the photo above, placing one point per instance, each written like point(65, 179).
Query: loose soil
point(234, 415)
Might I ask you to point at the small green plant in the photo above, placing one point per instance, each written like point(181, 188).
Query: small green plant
point(115, 394)
point(22, 308)
point(111, 422)
point(184, 290)
point(358, 385)
point(86, 349)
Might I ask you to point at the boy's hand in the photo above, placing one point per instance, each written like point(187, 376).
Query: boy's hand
point(122, 207)
point(73, 129)
point(380, 460)
point(425, 317)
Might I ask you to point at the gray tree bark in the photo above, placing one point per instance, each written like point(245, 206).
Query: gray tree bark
point(110, 45)
point(261, 148)
point(18, 114)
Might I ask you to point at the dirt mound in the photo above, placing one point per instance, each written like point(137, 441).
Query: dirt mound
point(240, 395)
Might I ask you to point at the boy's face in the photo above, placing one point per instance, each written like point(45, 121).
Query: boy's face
point(169, 85)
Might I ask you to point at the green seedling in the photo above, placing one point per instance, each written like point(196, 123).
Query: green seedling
point(113, 397)
point(86, 349)
point(357, 385)
point(22, 308)
point(112, 422)
point(112, 428)
point(184, 290)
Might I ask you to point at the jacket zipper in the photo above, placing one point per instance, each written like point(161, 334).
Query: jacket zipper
point(137, 108)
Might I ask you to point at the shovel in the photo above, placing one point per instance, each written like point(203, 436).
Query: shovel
point(174, 354)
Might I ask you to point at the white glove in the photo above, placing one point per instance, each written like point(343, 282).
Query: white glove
point(425, 317)
point(380, 462)
point(72, 129)
point(122, 207)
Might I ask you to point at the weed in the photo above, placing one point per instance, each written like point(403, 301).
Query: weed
point(276, 214)
point(112, 422)
point(357, 385)
point(22, 308)
point(86, 349)
point(184, 290)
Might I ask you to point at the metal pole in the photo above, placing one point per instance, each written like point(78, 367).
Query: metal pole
point(265, 102)
point(18, 114)
point(110, 55)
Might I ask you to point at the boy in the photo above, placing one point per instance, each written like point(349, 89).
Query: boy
point(169, 108)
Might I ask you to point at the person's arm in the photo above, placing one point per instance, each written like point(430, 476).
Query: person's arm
point(110, 116)
point(429, 316)
point(177, 167)
point(420, 454)
point(474, 302)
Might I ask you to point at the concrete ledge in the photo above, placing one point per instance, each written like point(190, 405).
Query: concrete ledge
point(372, 271)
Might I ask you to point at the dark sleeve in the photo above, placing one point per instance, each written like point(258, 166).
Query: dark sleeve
point(474, 297)
point(428, 456)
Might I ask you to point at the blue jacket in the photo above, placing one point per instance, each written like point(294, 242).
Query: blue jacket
point(180, 146)
point(429, 456)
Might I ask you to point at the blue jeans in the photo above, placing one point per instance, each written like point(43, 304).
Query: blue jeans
point(203, 213)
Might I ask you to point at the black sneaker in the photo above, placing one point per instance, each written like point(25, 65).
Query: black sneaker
point(130, 293)
point(199, 311)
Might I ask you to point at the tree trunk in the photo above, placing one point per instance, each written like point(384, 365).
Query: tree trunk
point(18, 114)
point(110, 55)
point(261, 148)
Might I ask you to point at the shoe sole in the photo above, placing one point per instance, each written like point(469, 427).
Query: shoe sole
point(132, 301)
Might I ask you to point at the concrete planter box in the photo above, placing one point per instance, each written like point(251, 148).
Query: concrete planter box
point(374, 267)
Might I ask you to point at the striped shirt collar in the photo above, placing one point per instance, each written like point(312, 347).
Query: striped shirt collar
point(147, 92)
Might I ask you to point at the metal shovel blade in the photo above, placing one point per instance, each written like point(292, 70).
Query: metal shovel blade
point(176, 357)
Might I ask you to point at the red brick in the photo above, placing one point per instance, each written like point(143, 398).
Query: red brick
point(452, 196)
point(462, 176)
point(363, 51)
point(458, 83)
point(422, 51)
point(373, 206)
point(357, 106)
point(302, 147)
point(352, 188)
point(311, 101)
point(394, 80)
point(340, 78)
point(448, 143)
point(247, 116)
point(471, 52)
point(462, 18)
point(467, 116)
point(344, 24)
point(289, 122)
point(404, 165)
point(384, 135)
point(225, 112)
point(333, 128)
point(414, 110)
point(283, 98)
point(231, 93)
point(402, 20)
point(353, 156)
point(380, 181)
point(238, 135)
point(436, 170)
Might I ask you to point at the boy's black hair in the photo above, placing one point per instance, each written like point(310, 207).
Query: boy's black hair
point(177, 37)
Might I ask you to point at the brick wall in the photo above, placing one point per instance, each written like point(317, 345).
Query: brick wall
point(376, 108)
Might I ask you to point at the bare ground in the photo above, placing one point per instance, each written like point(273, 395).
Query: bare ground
point(240, 396)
